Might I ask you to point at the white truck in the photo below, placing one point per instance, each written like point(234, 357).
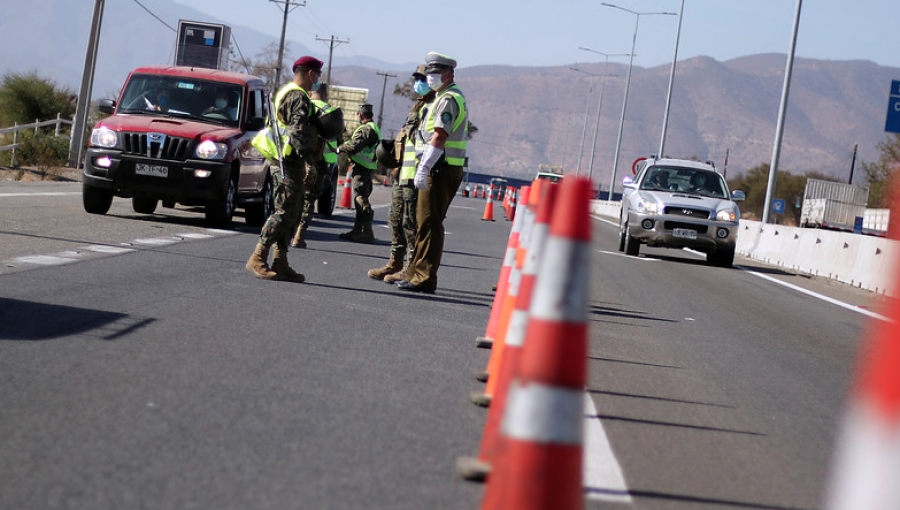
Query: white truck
point(833, 205)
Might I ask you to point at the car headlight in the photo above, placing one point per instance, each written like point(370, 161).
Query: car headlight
point(726, 215)
point(209, 149)
point(647, 206)
point(104, 137)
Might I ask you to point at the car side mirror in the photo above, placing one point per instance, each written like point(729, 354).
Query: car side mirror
point(738, 195)
point(628, 182)
point(256, 123)
point(107, 106)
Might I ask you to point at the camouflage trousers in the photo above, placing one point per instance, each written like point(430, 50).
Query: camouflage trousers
point(289, 199)
point(362, 189)
point(313, 185)
point(402, 218)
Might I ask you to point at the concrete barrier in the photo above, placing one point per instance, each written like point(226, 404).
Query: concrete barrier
point(862, 261)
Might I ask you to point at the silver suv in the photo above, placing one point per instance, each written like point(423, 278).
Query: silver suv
point(675, 203)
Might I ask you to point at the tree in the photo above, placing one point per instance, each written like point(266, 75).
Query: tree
point(26, 97)
point(881, 174)
point(788, 187)
point(264, 65)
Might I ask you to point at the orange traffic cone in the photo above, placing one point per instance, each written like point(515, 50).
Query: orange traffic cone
point(477, 469)
point(488, 210)
point(507, 303)
point(540, 467)
point(347, 194)
point(510, 211)
point(868, 452)
point(509, 260)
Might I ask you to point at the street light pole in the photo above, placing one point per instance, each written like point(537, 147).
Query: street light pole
point(779, 129)
point(584, 126)
point(637, 19)
point(665, 125)
point(600, 105)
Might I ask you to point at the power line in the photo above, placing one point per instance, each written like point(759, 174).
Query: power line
point(155, 16)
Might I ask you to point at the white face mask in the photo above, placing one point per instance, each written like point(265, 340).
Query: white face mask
point(221, 103)
point(434, 81)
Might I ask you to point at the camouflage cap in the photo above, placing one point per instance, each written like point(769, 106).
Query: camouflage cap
point(366, 111)
point(419, 72)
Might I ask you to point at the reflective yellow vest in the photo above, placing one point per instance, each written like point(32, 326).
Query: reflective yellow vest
point(330, 154)
point(366, 157)
point(264, 140)
point(455, 146)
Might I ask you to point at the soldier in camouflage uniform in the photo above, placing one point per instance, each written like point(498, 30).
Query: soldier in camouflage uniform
point(292, 111)
point(404, 194)
point(325, 156)
point(361, 150)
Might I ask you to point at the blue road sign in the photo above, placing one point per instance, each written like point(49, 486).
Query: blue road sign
point(892, 122)
point(777, 205)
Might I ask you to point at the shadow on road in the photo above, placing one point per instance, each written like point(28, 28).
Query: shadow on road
point(28, 321)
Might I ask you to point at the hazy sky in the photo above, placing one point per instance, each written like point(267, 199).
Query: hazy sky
point(547, 33)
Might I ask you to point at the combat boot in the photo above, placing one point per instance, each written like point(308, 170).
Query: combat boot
point(399, 276)
point(299, 240)
point(357, 229)
point(281, 268)
point(366, 236)
point(393, 265)
point(258, 264)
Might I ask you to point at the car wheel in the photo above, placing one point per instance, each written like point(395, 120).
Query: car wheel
point(220, 212)
point(144, 205)
point(631, 245)
point(257, 213)
point(325, 204)
point(96, 200)
point(621, 237)
point(721, 258)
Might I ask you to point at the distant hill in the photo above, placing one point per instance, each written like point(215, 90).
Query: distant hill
point(527, 116)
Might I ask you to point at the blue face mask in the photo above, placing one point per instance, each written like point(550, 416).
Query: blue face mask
point(421, 88)
point(314, 87)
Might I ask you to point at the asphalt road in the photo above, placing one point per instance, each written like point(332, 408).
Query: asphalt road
point(141, 366)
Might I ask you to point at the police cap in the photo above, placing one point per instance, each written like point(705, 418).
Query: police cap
point(437, 62)
point(308, 62)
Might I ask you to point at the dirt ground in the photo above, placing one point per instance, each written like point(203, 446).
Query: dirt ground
point(30, 174)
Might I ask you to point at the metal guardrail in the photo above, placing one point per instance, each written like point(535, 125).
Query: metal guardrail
point(58, 122)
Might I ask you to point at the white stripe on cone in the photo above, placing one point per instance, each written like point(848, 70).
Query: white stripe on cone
point(544, 414)
point(551, 300)
point(867, 476)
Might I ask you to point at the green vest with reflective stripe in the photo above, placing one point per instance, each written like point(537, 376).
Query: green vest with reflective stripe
point(455, 146)
point(285, 138)
point(408, 165)
point(330, 153)
point(366, 157)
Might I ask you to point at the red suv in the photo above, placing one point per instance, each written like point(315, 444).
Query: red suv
point(181, 135)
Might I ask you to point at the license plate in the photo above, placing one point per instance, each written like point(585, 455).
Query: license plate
point(685, 232)
point(151, 170)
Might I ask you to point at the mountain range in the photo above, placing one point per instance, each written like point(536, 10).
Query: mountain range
point(528, 116)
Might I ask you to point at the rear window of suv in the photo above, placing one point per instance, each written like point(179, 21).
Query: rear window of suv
point(183, 97)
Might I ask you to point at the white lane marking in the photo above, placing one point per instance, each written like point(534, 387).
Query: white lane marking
point(195, 236)
point(617, 254)
point(158, 241)
point(45, 260)
point(816, 295)
point(40, 194)
point(99, 248)
point(602, 477)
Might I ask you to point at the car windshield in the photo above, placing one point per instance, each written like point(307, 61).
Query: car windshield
point(684, 180)
point(203, 100)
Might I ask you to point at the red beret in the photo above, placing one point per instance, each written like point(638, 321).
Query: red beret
point(309, 63)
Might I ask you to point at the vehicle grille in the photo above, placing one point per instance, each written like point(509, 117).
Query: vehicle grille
point(672, 225)
point(687, 211)
point(172, 148)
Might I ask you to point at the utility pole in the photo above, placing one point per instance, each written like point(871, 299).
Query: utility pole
point(853, 163)
point(287, 10)
point(330, 52)
point(76, 142)
point(384, 86)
